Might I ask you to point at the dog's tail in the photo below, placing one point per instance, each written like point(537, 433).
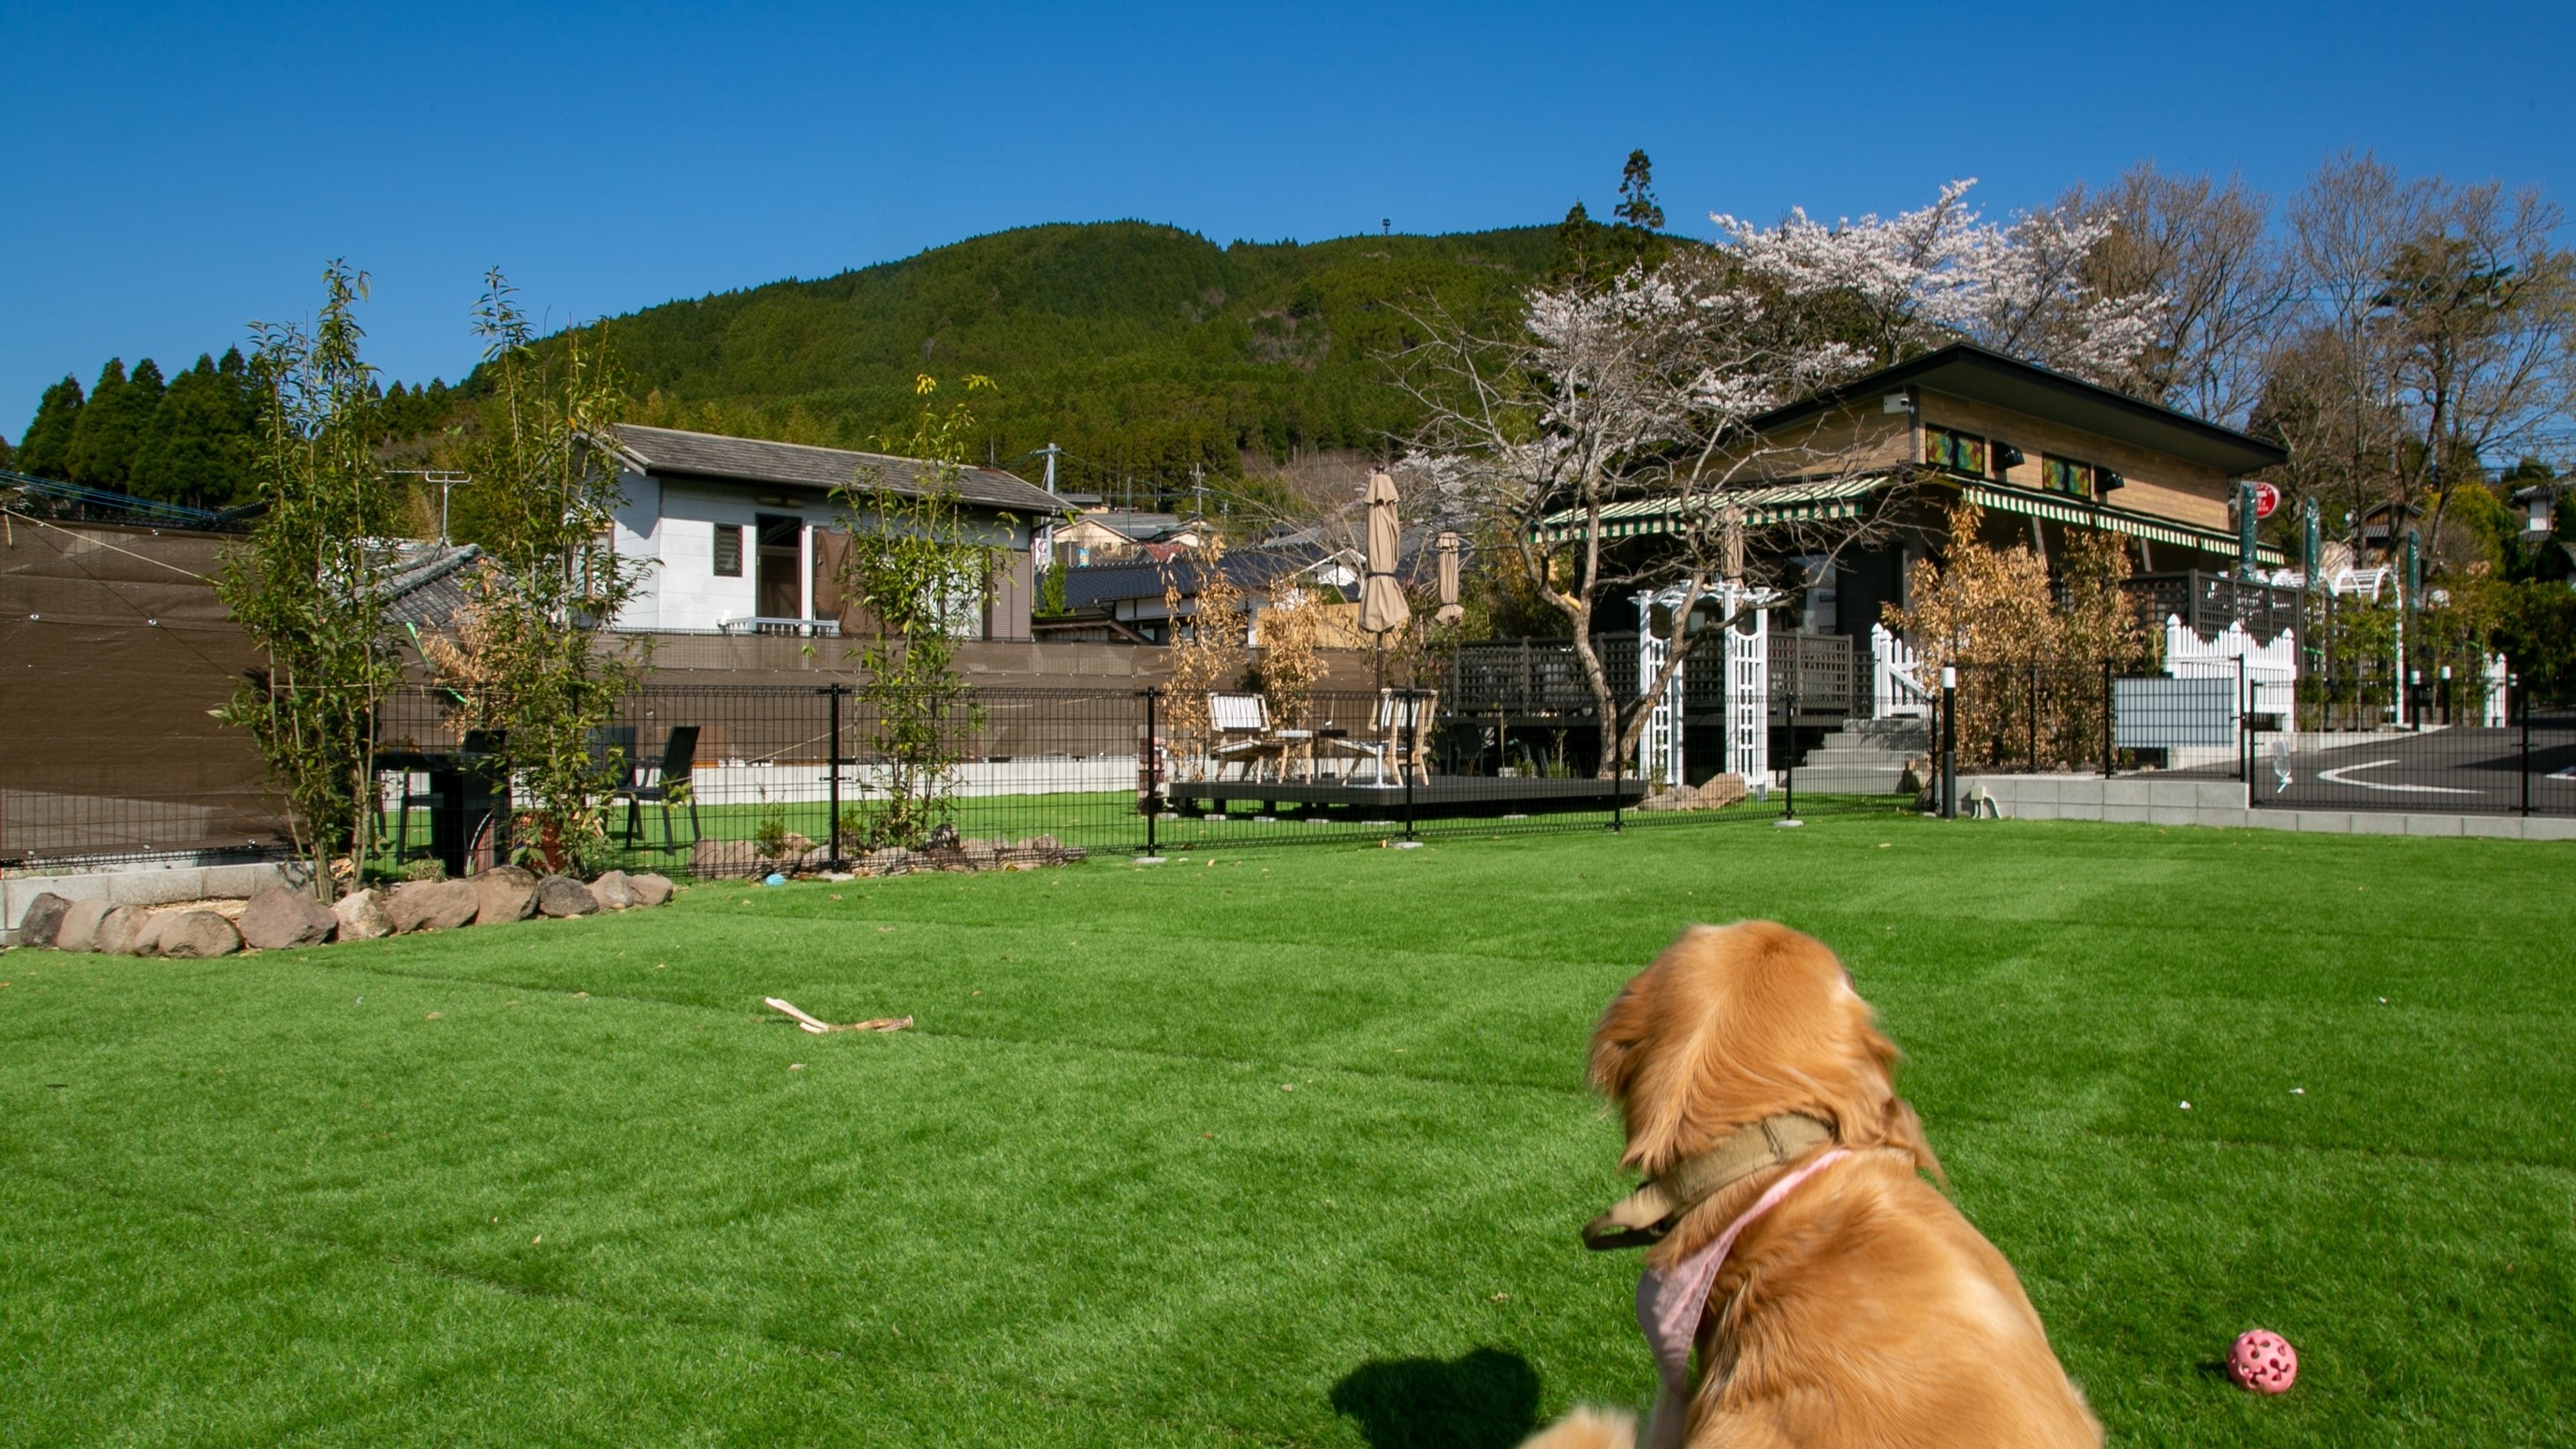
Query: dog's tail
point(1587, 1429)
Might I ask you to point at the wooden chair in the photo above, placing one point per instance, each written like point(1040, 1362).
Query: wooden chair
point(1239, 733)
point(670, 785)
point(1404, 720)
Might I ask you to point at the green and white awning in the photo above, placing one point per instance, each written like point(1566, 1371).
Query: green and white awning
point(1830, 498)
point(2112, 520)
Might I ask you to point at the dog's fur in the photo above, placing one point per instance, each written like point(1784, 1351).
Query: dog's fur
point(1862, 1309)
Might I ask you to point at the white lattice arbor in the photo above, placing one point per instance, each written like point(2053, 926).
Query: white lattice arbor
point(1743, 657)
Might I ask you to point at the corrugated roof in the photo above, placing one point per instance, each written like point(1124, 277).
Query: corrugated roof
point(798, 465)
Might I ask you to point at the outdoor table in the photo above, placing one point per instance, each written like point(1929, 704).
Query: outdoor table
point(465, 797)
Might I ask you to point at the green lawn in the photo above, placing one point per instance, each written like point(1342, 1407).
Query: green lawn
point(567, 1183)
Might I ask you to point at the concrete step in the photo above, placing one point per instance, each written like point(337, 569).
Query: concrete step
point(1843, 754)
point(1846, 780)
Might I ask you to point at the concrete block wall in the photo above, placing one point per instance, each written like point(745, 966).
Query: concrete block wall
point(2157, 800)
point(158, 886)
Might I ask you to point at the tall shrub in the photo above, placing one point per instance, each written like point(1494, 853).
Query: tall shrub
point(917, 568)
point(531, 661)
point(306, 587)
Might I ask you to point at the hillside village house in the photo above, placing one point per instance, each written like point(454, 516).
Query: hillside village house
point(2043, 454)
point(744, 536)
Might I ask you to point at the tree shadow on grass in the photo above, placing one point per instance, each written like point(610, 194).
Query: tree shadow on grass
point(1486, 1399)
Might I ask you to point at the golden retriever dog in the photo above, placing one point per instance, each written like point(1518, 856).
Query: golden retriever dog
point(1853, 1305)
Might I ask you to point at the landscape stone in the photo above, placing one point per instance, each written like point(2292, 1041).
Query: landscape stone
point(119, 929)
point(280, 918)
point(981, 854)
point(612, 891)
point(722, 859)
point(43, 917)
point(362, 916)
point(796, 845)
point(1721, 791)
point(79, 930)
point(198, 936)
point(147, 942)
point(503, 894)
point(942, 838)
point(433, 905)
point(561, 895)
point(650, 889)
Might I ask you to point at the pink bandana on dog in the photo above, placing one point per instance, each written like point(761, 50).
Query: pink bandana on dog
point(1670, 1300)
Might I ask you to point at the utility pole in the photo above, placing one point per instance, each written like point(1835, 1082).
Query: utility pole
point(1198, 490)
point(1042, 550)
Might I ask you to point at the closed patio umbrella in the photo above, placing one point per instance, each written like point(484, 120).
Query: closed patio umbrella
point(1382, 605)
point(1449, 613)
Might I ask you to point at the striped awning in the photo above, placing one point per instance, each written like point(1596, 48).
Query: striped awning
point(2113, 520)
point(1825, 499)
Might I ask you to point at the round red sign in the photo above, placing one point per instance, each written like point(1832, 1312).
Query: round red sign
point(2266, 499)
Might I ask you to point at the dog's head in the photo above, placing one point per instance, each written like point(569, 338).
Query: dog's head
point(1732, 1024)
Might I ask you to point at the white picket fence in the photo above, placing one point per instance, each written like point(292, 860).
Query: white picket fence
point(1896, 687)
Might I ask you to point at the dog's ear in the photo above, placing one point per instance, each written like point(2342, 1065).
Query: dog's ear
point(1867, 1111)
point(1905, 1130)
point(1621, 1032)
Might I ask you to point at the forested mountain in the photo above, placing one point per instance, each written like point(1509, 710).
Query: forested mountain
point(1144, 350)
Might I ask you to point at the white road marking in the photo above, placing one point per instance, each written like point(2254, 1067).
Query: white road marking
point(2339, 776)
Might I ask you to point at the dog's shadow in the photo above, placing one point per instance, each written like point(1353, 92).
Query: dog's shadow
point(1485, 1399)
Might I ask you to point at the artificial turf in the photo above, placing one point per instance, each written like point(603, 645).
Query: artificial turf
point(1284, 1149)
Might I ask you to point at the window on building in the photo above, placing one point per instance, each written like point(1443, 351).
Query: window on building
point(1960, 452)
point(729, 550)
point(2065, 475)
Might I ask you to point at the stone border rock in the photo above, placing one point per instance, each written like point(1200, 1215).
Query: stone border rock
point(742, 860)
point(279, 917)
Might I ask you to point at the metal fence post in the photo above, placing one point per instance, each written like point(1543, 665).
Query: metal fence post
point(1949, 742)
point(2107, 767)
point(1789, 778)
point(1149, 771)
point(2034, 719)
point(2514, 698)
point(1411, 756)
point(834, 691)
point(2244, 729)
point(1618, 771)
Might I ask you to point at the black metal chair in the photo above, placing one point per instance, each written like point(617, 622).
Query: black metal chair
point(671, 786)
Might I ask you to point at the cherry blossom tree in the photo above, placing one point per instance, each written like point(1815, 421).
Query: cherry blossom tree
point(1639, 396)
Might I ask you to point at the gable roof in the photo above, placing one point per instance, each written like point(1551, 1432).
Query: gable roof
point(671, 451)
point(1964, 369)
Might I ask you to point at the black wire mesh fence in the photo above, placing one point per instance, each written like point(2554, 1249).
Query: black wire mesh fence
point(2511, 758)
point(746, 781)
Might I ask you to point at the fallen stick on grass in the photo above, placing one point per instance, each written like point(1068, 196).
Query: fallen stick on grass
point(881, 1023)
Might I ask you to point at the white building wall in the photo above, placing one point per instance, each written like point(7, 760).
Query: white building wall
point(671, 524)
point(637, 537)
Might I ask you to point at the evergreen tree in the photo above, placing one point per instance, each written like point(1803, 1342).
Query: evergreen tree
point(111, 426)
point(8, 455)
point(1637, 205)
point(44, 450)
point(196, 449)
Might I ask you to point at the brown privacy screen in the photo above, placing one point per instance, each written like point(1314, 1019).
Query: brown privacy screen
point(112, 649)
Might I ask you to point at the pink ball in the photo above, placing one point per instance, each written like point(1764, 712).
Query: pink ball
point(2263, 1362)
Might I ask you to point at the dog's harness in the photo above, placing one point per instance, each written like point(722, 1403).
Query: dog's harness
point(1671, 1300)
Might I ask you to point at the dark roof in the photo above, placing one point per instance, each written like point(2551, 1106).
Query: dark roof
point(427, 584)
point(1251, 570)
point(1967, 370)
point(669, 451)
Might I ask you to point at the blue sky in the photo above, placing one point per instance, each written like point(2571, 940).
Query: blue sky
point(172, 175)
